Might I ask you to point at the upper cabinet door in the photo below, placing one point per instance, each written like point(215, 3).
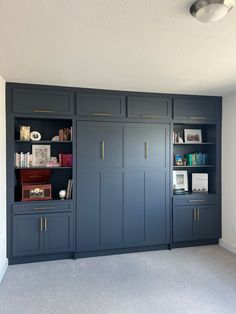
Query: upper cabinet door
point(99, 145)
point(42, 101)
point(146, 145)
point(194, 110)
point(149, 107)
point(100, 105)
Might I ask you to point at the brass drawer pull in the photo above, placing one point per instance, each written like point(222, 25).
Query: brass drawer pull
point(198, 118)
point(149, 116)
point(41, 208)
point(196, 201)
point(45, 224)
point(101, 114)
point(41, 224)
point(146, 150)
point(102, 150)
point(45, 111)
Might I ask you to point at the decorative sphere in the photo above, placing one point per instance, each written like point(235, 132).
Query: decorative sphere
point(62, 194)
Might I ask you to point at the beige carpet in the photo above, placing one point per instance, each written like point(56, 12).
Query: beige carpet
point(191, 280)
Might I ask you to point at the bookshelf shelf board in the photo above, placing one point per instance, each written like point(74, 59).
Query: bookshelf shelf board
point(19, 168)
point(207, 143)
point(57, 200)
point(200, 166)
point(43, 142)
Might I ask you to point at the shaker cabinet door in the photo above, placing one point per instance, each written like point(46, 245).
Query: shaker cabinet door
point(27, 235)
point(99, 145)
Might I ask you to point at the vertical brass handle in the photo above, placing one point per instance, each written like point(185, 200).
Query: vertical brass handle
point(146, 150)
point(198, 214)
point(45, 224)
point(103, 150)
point(41, 223)
point(194, 214)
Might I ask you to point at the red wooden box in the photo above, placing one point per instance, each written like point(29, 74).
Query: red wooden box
point(35, 185)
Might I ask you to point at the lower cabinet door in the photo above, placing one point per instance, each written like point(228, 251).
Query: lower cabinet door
point(58, 233)
point(205, 224)
point(183, 223)
point(27, 235)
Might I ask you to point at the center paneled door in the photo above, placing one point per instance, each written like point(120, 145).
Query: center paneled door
point(123, 185)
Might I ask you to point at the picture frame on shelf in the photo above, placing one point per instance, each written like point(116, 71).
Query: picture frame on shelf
point(178, 160)
point(200, 182)
point(180, 180)
point(192, 136)
point(24, 133)
point(41, 155)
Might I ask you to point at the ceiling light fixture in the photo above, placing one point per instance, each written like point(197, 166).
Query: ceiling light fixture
point(211, 10)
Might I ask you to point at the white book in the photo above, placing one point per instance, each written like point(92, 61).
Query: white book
point(200, 182)
point(21, 160)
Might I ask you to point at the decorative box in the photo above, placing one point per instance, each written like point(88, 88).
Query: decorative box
point(35, 185)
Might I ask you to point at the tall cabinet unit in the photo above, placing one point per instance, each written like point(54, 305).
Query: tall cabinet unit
point(123, 162)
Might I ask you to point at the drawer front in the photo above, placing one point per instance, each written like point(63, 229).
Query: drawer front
point(194, 110)
point(42, 102)
point(183, 200)
point(100, 105)
point(149, 107)
point(42, 207)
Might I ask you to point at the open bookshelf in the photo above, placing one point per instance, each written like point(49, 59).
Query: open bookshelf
point(62, 149)
point(197, 158)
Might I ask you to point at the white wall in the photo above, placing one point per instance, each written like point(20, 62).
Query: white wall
point(229, 173)
point(3, 259)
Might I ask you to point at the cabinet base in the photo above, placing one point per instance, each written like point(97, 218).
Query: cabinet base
point(194, 243)
point(39, 258)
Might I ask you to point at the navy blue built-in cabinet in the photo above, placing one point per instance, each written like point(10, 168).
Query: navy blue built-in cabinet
point(122, 171)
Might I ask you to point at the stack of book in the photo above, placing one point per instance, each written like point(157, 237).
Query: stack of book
point(69, 189)
point(65, 160)
point(23, 160)
point(65, 134)
point(196, 159)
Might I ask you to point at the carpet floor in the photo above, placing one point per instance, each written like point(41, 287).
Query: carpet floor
point(188, 280)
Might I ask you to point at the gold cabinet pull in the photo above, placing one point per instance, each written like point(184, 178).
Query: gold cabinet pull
point(150, 116)
point(105, 114)
point(197, 118)
point(194, 214)
point(198, 214)
point(196, 201)
point(45, 224)
point(43, 111)
point(146, 150)
point(43, 208)
point(41, 224)
point(102, 150)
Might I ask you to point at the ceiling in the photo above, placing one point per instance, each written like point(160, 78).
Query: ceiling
point(140, 45)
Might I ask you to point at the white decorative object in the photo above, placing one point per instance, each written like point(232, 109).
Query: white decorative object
point(62, 194)
point(41, 155)
point(200, 182)
point(35, 136)
point(55, 138)
point(180, 179)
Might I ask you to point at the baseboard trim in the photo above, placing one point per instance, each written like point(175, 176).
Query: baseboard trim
point(3, 270)
point(228, 246)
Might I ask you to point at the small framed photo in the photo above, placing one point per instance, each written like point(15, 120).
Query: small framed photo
point(178, 160)
point(41, 155)
point(193, 136)
point(24, 133)
point(180, 180)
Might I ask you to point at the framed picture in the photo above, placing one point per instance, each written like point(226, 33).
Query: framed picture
point(41, 155)
point(178, 160)
point(24, 133)
point(200, 182)
point(193, 136)
point(180, 179)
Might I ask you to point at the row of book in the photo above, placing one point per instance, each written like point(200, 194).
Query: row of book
point(196, 159)
point(69, 189)
point(23, 160)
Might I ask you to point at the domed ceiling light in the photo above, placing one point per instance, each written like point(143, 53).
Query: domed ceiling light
point(211, 10)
